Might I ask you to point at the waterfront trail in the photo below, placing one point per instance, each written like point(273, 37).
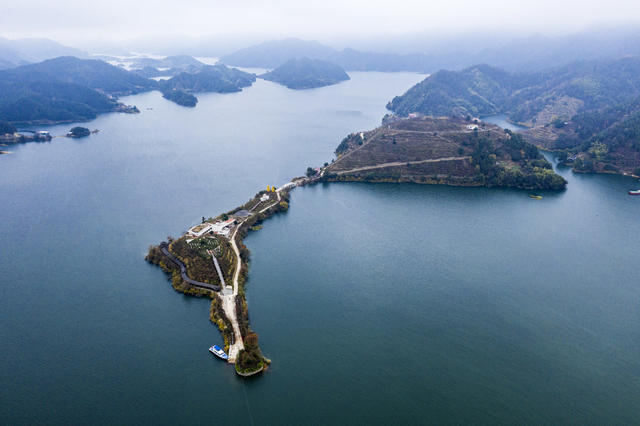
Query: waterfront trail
point(229, 299)
point(183, 271)
point(401, 163)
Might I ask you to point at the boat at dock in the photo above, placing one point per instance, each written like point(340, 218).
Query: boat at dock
point(217, 351)
point(634, 192)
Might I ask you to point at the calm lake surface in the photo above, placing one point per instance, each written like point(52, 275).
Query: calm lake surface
point(377, 303)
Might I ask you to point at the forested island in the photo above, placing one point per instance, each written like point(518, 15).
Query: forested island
point(180, 97)
point(210, 78)
point(590, 109)
point(305, 73)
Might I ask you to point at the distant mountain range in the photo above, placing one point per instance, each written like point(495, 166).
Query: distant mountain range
point(272, 54)
point(28, 50)
point(522, 54)
point(305, 73)
point(569, 107)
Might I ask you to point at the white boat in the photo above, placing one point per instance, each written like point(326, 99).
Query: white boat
point(634, 192)
point(217, 351)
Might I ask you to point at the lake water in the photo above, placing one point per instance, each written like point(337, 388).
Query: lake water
point(377, 303)
point(502, 121)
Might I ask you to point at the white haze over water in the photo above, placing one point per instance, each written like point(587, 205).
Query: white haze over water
point(78, 22)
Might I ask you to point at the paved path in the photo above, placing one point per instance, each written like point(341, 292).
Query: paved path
point(229, 300)
point(218, 270)
point(183, 272)
point(402, 163)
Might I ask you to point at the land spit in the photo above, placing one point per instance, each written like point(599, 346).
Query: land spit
point(211, 260)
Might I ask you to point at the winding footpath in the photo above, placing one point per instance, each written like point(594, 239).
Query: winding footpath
point(183, 272)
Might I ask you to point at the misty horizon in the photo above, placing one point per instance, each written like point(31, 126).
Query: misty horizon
point(404, 27)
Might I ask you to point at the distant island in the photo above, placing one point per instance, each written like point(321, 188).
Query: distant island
point(450, 151)
point(180, 97)
point(305, 73)
point(210, 78)
point(79, 132)
point(590, 109)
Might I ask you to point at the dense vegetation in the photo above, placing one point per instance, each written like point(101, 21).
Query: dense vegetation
point(305, 73)
point(45, 101)
point(512, 163)
point(79, 132)
point(250, 359)
point(180, 97)
point(211, 78)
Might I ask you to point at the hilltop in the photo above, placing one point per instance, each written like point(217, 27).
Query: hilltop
point(91, 73)
point(305, 73)
point(563, 107)
point(450, 151)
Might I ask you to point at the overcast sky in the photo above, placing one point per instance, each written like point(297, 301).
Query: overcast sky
point(75, 21)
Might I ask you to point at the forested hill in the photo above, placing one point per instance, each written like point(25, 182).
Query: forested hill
point(564, 107)
point(91, 73)
point(305, 73)
point(42, 102)
point(525, 97)
point(210, 78)
point(64, 89)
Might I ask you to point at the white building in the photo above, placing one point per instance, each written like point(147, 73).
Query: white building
point(288, 185)
point(201, 229)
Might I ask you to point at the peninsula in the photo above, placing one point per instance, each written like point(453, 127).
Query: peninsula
point(211, 260)
point(450, 151)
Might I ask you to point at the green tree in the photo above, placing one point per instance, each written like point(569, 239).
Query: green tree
point(598, 149)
